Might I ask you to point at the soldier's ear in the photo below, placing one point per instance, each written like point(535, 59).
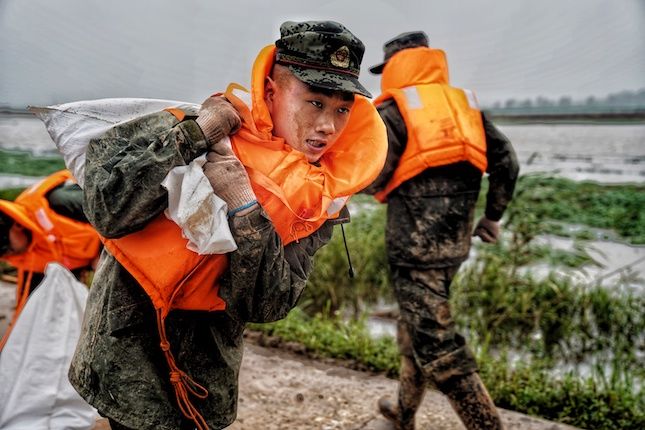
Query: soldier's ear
point(269, 92)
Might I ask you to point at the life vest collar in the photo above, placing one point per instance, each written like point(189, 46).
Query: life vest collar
point(362, 143)
point(288, 187)
point(421, 65)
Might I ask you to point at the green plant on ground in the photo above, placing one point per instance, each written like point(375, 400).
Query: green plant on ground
point(529, 387)
point(496, 296)
point(558, 200)
point(27, 164)
point(333, 337)
point(329, 286)
point(10, 193)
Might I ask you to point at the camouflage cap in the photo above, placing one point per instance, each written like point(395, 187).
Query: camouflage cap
point(324, 54)
point(411, 39)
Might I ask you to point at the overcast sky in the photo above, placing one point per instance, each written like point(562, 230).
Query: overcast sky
point(54, 51)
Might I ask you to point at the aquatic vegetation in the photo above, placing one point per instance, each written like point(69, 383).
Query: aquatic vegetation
point(25, 163)
point(554, 201)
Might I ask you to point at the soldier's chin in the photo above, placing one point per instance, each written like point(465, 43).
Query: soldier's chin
point(313, 158)
point(313, 153)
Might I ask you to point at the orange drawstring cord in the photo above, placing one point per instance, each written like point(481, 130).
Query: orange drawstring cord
point(182, 383)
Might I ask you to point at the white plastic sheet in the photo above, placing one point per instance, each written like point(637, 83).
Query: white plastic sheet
point(192, 204)
point(199, 212)
point(35, 393)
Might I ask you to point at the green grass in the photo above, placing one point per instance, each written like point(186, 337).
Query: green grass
point(24, 163)
point(530, 388)
point(564, 321)
point(332, 337)
point(10, 193)
point(330, 286)
point(554, 201)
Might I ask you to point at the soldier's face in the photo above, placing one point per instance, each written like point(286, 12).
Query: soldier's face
point(19, 239)
point(309, 121)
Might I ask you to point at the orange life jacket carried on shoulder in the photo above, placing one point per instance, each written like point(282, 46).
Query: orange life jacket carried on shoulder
point(54, 237)
point(443, 124)
point(298, 197)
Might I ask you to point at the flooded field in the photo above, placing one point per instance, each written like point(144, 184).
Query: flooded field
point(601, 153)
point(597, 152)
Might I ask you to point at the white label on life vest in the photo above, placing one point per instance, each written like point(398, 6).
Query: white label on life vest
point(44, 220)
point(336, 205)
point(472, 99)
point(413, 97)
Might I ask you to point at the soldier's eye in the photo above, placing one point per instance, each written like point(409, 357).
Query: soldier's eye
point(316, 103)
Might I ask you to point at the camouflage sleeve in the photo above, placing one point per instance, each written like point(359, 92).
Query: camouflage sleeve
point(397, 137)
point(67, 200)
point(266, 279)
point(124, 169)
point(503, 171)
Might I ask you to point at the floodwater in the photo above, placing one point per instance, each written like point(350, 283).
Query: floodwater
point(594, 152)
point(597, 152)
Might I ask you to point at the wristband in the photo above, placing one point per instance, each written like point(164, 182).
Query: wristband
point(241, 208)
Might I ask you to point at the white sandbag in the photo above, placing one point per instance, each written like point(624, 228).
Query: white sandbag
point(34, 390)
point(199, 212)
point(192, 205)
point(72, 125)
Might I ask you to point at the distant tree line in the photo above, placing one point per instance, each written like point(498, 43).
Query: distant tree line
point(621, 102)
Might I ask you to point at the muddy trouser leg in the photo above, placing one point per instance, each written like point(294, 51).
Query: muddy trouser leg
point(437, 349)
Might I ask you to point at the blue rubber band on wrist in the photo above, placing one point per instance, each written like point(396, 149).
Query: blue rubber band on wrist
point(241, 208)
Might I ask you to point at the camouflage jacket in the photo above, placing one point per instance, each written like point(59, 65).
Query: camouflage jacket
point(118, 366)
point(430, 217)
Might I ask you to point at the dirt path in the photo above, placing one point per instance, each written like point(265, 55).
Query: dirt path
point(280, 390)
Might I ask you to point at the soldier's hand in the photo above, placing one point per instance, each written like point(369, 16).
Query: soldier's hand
point(218, 118)
point(487, 230)
point(229, 179)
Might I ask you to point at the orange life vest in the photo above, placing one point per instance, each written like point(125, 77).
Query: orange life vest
point(443, 123)
point(298, 196)
point(54, 237)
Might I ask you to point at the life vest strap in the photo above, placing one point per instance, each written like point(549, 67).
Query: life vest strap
point(182, 383)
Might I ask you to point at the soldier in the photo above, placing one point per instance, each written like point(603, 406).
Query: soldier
point(439, 145)
point(46, 223)
point(285, 172)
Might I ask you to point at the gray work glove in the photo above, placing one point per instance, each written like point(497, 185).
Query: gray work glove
point(228, 178)
point(218, 118)
point(487, 230)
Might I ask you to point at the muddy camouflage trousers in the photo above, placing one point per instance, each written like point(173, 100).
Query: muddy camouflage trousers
point(426, 329)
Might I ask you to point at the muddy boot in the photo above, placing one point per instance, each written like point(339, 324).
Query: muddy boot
point(470, 399)
point(411, 390)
